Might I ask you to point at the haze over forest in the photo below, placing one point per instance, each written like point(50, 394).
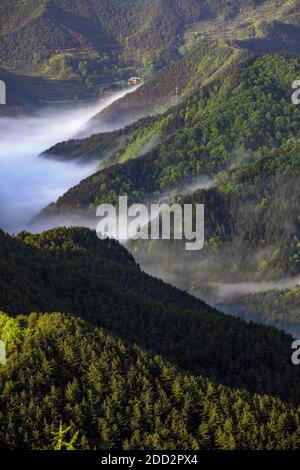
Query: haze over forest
point(143, 344)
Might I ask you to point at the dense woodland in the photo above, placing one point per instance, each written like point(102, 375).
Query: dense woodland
point(242, 130)
point(147, 29)
point(102, 146)
point(174, 82)
point(129, 385)
point(69, 386)
point(70, 270)
point(101, 355)
point(247, 111)
point(79, 48)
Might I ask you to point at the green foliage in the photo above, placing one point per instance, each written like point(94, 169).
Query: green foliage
point(70, 270)
point(60, 441)
point(91, 44)
point(252, 112)
point(249, 111)
point(244, 132)
point(148, 32)
point(115, 395)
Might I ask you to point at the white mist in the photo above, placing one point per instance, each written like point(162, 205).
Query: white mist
point(28, 182)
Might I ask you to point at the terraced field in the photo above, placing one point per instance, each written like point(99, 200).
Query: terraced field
point(247, 24)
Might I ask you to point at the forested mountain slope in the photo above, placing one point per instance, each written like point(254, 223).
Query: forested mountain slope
point(149, 28)
point(103, 147)
point(250, 263)
point(70, 270)
point(101, 349)
point(249, 110)
point(95, 44)
point(243, 132)
point(62, 24)
point(169, 87)
point(174, 83)
point(65, 379)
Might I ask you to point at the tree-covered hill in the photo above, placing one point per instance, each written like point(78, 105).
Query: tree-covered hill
point(70, 270)
point(67, 385)
point(247, 111)
point(250, 262)
point(173, 83)
point(151, 29)
point(103, 147)
point(102, 352)
point(100, 24)
point(97, 43)
point(243, 131)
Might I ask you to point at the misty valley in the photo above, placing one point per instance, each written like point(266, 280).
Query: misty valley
point(40, 181)
point(149, 226)
point(30, 182)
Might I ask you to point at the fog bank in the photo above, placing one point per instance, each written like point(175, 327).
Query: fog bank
point(225, 291)
point(28, 182)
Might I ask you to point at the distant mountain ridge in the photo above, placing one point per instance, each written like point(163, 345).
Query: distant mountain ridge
point(96, 43)
point(145, 26)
